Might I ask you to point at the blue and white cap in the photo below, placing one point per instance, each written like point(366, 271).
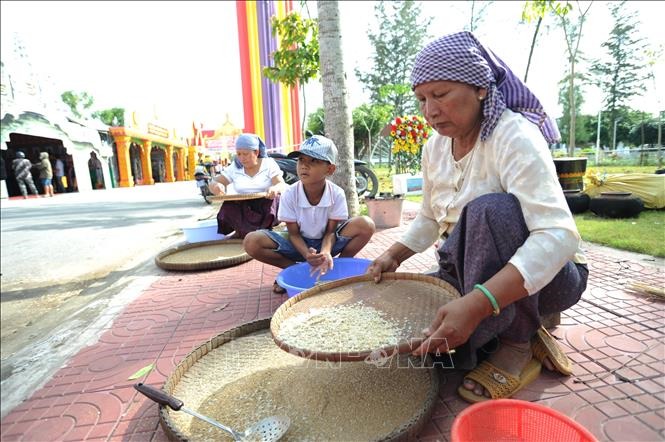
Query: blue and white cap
point(318, 147)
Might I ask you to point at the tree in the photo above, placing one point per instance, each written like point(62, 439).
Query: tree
point(621, 75)
point(589, 125)
point(315, 122)
point(335, 99)
point(111, 117)
point(478, 10)
point(537, 10)
point(582, 136)
point(573, 34)
point(645, 131)
point(79, 103)
point(397, 42)
point(368, 120)
point(297, 59)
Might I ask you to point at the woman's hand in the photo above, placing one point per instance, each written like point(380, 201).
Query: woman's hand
point(453, 325)
point(389, 260)
point(217, 188)
point(384, 263)
point(272, 192)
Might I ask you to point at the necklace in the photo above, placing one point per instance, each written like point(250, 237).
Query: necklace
point(452, 149)
point(463, 165)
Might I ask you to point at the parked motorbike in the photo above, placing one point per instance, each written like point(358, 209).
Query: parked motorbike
point(202, 182)
point(367, 183)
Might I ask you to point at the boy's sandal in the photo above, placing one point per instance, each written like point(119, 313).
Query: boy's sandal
point(499, 383)
point(545, 346)
point(278, 288)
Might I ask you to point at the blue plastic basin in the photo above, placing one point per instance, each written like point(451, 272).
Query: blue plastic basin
point(296, 278)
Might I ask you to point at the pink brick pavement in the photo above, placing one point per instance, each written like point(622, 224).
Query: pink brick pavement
point(614, 337)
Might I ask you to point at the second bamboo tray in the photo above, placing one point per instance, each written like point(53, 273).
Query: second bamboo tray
point(206, 255)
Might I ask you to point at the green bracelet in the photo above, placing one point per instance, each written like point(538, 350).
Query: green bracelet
point(490, 296)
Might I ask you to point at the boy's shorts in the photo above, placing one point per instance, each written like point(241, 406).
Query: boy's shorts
point(46, 181)
point(286, 249)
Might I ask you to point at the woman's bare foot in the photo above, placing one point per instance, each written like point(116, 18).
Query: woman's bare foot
point(511, 357)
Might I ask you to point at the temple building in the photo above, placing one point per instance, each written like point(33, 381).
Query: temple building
point(34, 119)
point(142, 151)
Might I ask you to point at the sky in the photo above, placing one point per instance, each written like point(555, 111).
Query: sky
point(180, 60)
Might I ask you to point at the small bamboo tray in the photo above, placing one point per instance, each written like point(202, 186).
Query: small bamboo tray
point(206, 255)
point(238, 196)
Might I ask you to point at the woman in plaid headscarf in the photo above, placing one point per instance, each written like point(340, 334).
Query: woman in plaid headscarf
point(491, 196)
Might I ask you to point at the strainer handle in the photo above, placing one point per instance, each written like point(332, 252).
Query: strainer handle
point(159, 396)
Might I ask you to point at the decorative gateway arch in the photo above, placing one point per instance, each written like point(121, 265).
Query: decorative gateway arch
point(271, 110)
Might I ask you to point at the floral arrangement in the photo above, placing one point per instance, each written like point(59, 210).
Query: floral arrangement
point(409, 134)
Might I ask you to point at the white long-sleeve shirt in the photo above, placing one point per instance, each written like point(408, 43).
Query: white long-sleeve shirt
point(514, 159)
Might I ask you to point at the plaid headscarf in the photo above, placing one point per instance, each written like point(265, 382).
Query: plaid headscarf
point(460, 57)
point(250, 142)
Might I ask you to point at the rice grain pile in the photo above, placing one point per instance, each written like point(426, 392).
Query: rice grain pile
point(342, 328)
point(250, 378)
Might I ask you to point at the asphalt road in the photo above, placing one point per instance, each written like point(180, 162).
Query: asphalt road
point(69, 264)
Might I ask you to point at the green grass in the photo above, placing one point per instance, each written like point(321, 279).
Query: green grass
point(620, 169)
point(385, 175)
point(644, 234)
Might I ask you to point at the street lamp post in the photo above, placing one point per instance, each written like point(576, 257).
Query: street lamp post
point(660, 145)
point(614, 136)
point(598, 139)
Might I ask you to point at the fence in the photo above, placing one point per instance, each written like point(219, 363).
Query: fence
point(622, 156)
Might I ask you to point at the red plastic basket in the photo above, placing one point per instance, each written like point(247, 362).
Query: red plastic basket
point(514, 420)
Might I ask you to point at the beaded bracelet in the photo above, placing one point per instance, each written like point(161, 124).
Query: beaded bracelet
point(490, 296)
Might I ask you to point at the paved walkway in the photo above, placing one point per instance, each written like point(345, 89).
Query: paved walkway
point(615, 338)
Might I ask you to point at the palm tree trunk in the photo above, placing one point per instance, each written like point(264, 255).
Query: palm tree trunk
point(338, 122)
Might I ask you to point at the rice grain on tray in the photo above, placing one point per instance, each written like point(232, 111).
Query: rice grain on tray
point(342, 328)
point(250, 378)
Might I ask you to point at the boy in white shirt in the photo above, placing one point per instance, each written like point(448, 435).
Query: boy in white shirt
point(316, 216)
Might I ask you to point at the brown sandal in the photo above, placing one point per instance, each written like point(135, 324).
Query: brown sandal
point(545, 346)
point(499, 383)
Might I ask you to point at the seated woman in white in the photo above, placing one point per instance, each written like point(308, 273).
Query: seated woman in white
point(251, 171)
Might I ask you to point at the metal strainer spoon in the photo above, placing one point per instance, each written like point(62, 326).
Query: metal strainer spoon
point(269, 429)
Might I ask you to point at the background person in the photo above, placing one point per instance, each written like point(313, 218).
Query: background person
point(217, 167)
point(316, 216)
point(490, 190)
point(45, 173)
point(3, 178)
point(58, 174)
point(96, 171)
point(200, 169)
point(251, 171)
point(21, 167)
point(72, 184)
